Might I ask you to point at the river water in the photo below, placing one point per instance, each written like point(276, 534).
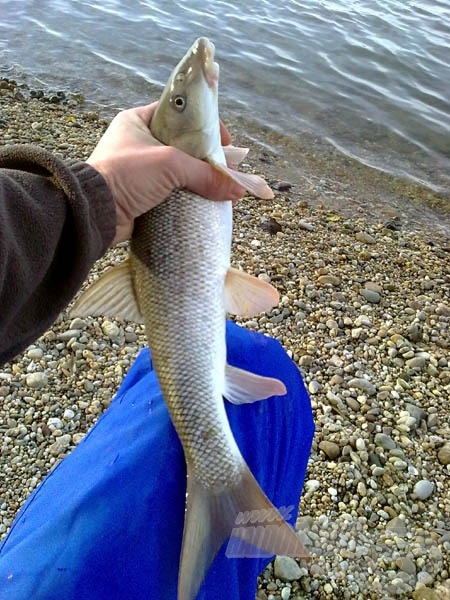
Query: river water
point(372, 77)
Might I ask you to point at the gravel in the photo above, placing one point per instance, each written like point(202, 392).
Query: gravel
point(364, 312)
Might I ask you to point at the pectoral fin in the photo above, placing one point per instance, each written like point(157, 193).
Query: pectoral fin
point(111, 295)
point(246, 295)
point(234, 155)
point(243, 387)
point(253, 183)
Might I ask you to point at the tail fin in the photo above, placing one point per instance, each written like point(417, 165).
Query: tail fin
point(242, 511)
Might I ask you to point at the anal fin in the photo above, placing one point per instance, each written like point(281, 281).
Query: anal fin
point(244, 387)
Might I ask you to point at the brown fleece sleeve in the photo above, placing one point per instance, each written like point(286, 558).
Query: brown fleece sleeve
point(56, 219)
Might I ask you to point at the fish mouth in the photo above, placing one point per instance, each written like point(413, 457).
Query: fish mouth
point(205, 49)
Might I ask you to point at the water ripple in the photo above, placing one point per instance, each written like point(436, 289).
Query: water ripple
point(371, 76)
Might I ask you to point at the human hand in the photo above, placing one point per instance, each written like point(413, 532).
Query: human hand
point(141, 172)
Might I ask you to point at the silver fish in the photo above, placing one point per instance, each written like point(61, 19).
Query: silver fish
point(178, 281)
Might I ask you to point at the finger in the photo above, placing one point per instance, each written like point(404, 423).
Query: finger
point(225, 135)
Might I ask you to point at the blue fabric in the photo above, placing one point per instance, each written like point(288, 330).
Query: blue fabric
point(107, 522)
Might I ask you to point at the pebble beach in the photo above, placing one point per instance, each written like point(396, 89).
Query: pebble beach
point(362, 264)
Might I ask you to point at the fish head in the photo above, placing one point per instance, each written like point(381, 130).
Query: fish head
point(187, 115)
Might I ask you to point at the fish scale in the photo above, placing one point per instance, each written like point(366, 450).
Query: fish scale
point(175, 284)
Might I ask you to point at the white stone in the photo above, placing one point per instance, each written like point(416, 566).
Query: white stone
point(68, 414)
point(36, 380)
point(423, 489)
point(54, 423)
point(286, 569)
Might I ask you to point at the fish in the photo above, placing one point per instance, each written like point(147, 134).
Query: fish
point(178, 281)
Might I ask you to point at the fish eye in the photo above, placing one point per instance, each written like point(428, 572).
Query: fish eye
point(179, 103)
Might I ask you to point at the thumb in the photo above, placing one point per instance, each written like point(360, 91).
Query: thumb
point(202, 179)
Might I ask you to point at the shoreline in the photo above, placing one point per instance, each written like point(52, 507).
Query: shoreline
point(365, 313)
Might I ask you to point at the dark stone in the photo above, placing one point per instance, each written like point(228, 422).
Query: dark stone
point(272, 226)
point(283, 186)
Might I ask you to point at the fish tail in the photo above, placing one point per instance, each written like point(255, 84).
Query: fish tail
point(242, 513)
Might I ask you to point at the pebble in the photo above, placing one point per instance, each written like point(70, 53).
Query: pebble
point(443, 309)
point(424, 593)
point(375, 287)
point(365, 238)
point(77, 437)
point(331, 449)
point(312, 485)
point(423, 489)
point(69, 334)
point(444, 454)
point(54, 423)
point(397, 526)
point(78, 324)
point(362, 384)
point(424, 577)
point(110, 329)
point(285, 593)
point(363, 321)
point(287, 569)
point(35, 353)
point(416, 412)
point(371, 296)
point(36, 380)
point(328, 279)
point(353, 404)
point(407, 565)
point(61, 445)
point(385, 441)
point(360, 444)
point(418, 362)
point(272, 226)
point(130, 337)
point(314, 386)
point(306, 225)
